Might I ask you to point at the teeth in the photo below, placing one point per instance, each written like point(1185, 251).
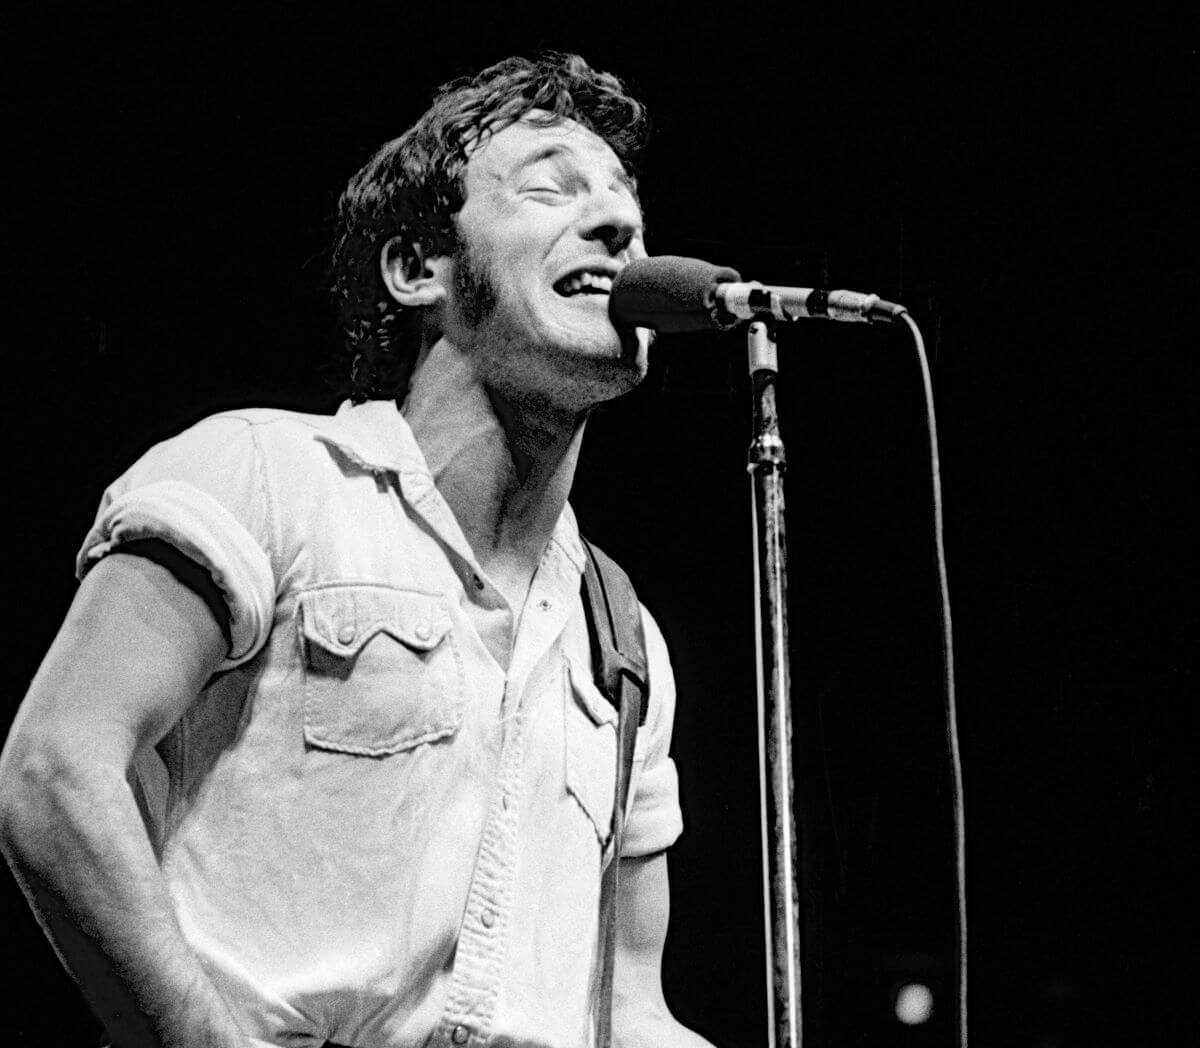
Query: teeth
point(596, 283)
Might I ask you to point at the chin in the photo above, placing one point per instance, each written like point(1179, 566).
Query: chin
point(606, 364)
point(597, 339)
point(570, 365)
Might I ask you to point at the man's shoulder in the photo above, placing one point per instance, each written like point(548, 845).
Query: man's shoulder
point(372, 435)
point(260, 450)
point(271, 431)
point(224, 437)
point(283, 421)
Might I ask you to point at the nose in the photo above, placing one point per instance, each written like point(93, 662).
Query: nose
point(613, 220)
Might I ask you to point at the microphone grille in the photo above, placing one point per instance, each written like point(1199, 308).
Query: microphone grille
point(669, 293)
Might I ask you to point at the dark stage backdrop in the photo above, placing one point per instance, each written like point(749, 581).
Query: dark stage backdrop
point(1019, 182)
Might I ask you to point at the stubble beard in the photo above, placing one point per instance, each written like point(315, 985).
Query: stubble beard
point(498, 349)
point(474, 289)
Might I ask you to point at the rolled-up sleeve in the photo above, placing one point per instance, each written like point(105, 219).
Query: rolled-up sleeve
point(204, 492)
point(654, 819)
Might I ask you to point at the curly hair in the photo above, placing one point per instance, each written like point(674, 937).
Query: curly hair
point(413, 188)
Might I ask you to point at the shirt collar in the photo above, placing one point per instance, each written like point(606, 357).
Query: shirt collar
point(566, 535)
point(376, 437)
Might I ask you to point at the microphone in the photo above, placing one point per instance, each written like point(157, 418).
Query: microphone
point(672, 294)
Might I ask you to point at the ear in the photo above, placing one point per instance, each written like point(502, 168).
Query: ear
point(411, 278)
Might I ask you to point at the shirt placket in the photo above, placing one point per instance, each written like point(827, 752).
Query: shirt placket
point(476, 982)
point(478, 963)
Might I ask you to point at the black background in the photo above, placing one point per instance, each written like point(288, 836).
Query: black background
point(1022, 181)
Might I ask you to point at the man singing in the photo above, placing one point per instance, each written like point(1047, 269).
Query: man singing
point(318, 756)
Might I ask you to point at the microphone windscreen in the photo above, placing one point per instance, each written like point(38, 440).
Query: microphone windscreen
point(669, 294)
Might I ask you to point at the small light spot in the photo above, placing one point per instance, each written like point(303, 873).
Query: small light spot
point(914, 1004)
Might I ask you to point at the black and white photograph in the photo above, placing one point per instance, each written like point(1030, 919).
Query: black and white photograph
point(604, 526)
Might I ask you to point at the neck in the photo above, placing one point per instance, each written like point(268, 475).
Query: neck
point(504, 465)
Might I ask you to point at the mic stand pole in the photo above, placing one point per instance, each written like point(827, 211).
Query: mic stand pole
point(766, 463)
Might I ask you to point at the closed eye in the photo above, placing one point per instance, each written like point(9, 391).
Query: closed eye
point(553, 177)
point(545, 194)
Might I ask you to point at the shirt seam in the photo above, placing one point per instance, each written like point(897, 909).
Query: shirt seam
point(274, 537)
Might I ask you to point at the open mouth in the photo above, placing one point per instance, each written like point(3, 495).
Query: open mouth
point(584, 283)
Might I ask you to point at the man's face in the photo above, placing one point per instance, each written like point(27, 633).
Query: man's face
point(550, 218)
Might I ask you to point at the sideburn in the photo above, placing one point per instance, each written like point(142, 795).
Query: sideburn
point(473, 289)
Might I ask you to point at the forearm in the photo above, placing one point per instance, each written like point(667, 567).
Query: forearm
point(70, 829)
point(641, 1018)
point(665, 1032)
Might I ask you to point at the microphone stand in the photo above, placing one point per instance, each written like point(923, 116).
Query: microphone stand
point(766, 463)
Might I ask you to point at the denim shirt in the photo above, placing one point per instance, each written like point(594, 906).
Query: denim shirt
point(373, 832)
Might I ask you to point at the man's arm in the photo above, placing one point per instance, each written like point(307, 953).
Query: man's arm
point(135, 649)
point(641, 1018)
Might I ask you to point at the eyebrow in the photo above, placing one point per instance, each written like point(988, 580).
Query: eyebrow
point(552, 152)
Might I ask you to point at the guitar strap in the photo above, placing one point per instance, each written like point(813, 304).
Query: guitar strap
point(619, 662)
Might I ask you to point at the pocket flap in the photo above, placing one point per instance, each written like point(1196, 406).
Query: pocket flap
point(341, 619)
point(591, 751)
point(590, 699)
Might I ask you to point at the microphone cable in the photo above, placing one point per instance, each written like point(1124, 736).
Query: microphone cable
point(956, 776)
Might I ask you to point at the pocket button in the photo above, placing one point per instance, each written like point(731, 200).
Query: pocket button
point(345, 635)
point(423, 631)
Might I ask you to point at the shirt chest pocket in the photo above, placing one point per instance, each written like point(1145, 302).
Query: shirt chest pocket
point(382, 673)
point(591, 751)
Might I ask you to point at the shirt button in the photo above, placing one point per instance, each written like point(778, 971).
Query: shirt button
point(545, 605)
point(423, 632)
point(487, 918)
point(345, 634)
point(477, 582)
point(460, 1034)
